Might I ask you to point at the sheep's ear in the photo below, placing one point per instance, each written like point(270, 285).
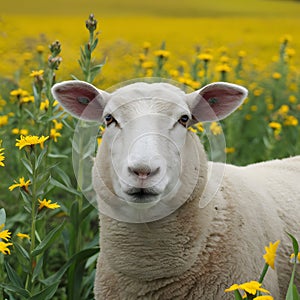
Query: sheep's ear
point(80, 99)
point(215, 101)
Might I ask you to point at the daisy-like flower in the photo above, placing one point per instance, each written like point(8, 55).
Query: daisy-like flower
point(23, 236)
point(4, 247)
point(162, 53)
point(38, 73)
point(250, 287)
point(270, 254)
point(47, 203)
point(4, 234)
point(31, 140)
point(22, 184)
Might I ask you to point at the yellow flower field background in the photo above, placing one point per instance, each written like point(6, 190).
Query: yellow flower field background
point(48, 248)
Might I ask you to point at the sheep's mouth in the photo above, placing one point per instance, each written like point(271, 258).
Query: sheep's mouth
point(142, 195)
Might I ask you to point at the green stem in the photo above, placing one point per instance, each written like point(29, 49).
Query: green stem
point(263, 274)
point(29, 283)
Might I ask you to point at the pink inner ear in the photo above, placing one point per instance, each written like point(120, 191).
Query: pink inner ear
point(80, 100)
point(223, 100)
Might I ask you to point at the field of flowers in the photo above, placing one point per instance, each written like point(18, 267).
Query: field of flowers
point(48, 231)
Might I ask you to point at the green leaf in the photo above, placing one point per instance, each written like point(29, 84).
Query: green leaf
point(38, 268)
point(46, 293)
point(40, 158)
point(292, 294)
point(63, 187)
point(22, 252)
point(12, 275)
point(86, 211)
point(27, 164)
point(48, 240)
point(295, 244)
point(94, 45)
point(2, 216)
point(78, 257)
point(295, 293)
point(16, 289)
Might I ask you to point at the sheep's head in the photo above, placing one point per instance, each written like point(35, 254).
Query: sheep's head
point(140, 162)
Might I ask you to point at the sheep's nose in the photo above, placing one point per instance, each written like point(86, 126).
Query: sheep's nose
point(143, 171)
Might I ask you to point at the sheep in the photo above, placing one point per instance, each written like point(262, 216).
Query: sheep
point(151, 175)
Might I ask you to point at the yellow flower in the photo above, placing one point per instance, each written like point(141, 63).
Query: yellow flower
point(2, 157)
point(223, 68)
point(200, 127)
point(242, 53)
point(205, 57)
point(147, 65)
point(192, 129)
point(4, 247)
point(27, 99)
point(250, 287)
point(286, 38)
point(283, 110)
point(290, 52)
point(253, 108)
point(215, 128)
point(23, 235)
point(265, 297)
point(224, 59)
point(38, 73)
point(275, 125)
point(44, 105)
point(5, 234)
point(47, 203)
point(276, 75)
point(57, 125)
point(54, 134)
point(40, 48)
point(22, 184)
point(270, 255)
point(292, 99)
point(270, 106)
point(257, 92)
point(19, 131)
point(248, 117)
point(146, 45)
point(99, 140)
point(19, 93)
point(229, 150)
point(290, 121)
point(162, 53)
point(3, 120)
point(31, 140)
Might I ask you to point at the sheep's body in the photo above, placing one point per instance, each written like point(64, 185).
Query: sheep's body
point(221, 244)
point(150, 175)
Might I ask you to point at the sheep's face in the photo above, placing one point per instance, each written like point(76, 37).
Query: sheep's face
point(144, 151)
point(146, 131)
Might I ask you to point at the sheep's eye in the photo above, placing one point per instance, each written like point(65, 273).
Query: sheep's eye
point(109, 119)
point(184, 120)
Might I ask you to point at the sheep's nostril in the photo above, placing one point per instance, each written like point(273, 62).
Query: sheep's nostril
point(143, 172)
point(141, 175)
